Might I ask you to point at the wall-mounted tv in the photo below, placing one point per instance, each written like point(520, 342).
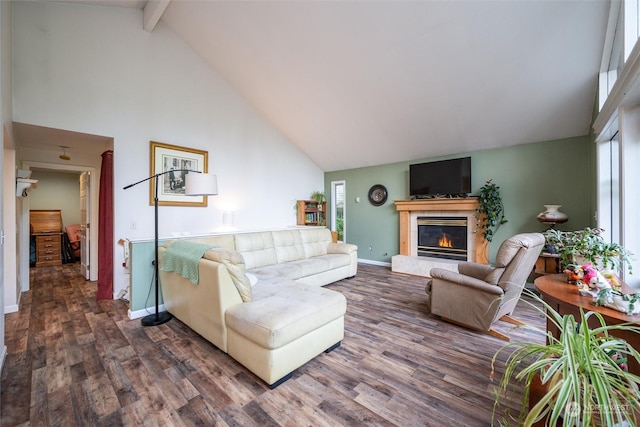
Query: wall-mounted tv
point(442, 178)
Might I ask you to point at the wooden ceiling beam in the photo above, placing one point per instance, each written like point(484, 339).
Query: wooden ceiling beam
point(152, 13)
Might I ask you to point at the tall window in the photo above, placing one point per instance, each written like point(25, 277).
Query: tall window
point(338, 208)
point(609, 188)
point(613, 57)
point(623, 32)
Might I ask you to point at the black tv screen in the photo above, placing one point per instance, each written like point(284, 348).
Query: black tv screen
point(442, 178)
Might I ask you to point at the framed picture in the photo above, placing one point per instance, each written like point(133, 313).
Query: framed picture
point(166, 159)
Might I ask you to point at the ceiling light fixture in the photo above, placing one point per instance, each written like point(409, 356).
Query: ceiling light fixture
point(64, 156)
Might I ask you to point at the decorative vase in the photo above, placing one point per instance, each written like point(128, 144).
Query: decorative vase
point(552, 215)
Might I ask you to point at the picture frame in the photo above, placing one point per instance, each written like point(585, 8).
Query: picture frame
point(171, 191)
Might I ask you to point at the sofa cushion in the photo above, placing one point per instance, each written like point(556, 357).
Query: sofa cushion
point(234, 262)
point(336, 260)
point(295, 270)
point(289, 270)
point(256, 248)
point(279, 313)
point(313, 266)
point(315, 241)
point(288, 245)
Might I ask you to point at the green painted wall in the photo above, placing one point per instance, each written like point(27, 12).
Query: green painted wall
point(530, 176)
point(142, 284)
point(555, 172)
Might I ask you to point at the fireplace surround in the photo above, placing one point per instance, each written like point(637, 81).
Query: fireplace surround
point(463, 209)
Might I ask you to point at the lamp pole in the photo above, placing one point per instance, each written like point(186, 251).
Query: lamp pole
point(156, 318)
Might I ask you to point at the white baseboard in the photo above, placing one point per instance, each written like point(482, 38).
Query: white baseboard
point(11, 308)
point(14, 307)
point(3, 356)
point(372, 262)
point(145, 311)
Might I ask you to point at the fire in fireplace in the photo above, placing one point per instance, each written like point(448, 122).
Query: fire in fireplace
point(442, 237)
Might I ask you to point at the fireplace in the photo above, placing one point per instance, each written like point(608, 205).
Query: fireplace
point(442, 237)
point(472, 247)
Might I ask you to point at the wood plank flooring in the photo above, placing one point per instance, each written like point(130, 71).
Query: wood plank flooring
point(73, 360)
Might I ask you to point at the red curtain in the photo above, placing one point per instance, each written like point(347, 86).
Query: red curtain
point(105, 228)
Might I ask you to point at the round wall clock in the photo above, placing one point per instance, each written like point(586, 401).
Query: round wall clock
point(377, 195)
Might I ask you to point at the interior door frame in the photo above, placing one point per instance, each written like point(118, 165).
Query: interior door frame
point(85, 224)
point(23, 222)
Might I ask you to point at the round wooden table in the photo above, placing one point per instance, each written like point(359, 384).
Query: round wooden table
point(564, 298)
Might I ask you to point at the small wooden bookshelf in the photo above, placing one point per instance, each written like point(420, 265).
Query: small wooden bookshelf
point(311, 212)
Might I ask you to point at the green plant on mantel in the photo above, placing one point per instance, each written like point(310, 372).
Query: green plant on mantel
point(589, 245)
point(490, 213)
point(578, 378)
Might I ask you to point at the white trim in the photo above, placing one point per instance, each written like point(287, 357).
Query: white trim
point(144, 312)
point(372, 262)
point(3, 356)
point(625, 91)
point(95, 192)
point(609, 36)
point(334, 208)
point(607, 77)
point(11, 308)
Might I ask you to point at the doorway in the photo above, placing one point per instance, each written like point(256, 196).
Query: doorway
point(91, 203)
point(338, 209)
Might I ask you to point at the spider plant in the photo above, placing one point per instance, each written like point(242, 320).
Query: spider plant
point(583, 369)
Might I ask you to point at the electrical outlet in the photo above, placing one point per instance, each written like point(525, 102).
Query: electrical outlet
point(133, 225)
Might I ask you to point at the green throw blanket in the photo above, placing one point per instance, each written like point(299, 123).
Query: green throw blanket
point(182, 258)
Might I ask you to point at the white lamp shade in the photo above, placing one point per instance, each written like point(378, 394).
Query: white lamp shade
point(201, 184)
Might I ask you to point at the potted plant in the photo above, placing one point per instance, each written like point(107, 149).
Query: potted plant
point(583, 372)
point(490, 213)
point(587, 245)
point(317, 196)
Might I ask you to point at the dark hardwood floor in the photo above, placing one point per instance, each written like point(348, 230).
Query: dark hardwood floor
point(73, 360)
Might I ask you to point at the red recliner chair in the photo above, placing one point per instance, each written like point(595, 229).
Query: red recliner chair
point(73, 233)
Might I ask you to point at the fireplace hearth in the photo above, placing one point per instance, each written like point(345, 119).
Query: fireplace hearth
point(442, 237)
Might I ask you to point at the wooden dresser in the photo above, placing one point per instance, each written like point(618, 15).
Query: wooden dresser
point(46, 226)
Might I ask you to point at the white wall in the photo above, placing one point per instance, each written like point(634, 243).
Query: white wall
point(5, 120)
point(93, 69)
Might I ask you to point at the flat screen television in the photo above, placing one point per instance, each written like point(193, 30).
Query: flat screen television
point(442, 178)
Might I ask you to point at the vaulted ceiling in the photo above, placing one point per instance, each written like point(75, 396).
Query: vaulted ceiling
point(361, 83)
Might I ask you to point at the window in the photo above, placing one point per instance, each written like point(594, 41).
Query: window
point(612, 60)
point(622, 34)
point(609, 188)
point(338, 208)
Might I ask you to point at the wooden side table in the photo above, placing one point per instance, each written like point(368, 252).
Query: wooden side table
point(547, 263)
point(564, 298)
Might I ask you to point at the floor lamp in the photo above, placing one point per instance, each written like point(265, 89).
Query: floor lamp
point(196, 184)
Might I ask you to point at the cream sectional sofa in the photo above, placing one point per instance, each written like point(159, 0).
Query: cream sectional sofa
point(259, 296)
